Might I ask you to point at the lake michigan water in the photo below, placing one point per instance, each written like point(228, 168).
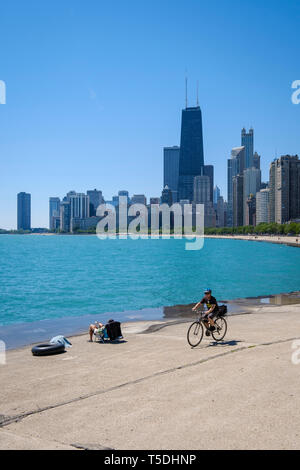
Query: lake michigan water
point(48, 277)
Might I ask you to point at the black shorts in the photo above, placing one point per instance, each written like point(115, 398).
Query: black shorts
point(213, 314)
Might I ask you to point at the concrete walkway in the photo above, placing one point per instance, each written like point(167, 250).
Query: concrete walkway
point(278, 239)
point(155, 392)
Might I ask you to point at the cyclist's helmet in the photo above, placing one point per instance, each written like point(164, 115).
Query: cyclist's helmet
point(207, 291)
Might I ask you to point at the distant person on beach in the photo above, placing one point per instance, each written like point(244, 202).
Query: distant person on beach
point(111, 330)
point(94, 327)
point(212, 306)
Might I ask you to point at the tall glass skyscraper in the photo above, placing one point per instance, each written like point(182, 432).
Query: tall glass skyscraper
point(247, 139)
point(217, 194)
point(191, 158)
point(54, 211)
point(235, 166)
point(208, 170)
point(171, 169)
point(24, 211)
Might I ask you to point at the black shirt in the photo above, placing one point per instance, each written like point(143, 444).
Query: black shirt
point(210, 302)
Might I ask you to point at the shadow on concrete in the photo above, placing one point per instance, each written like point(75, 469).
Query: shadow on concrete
point(232, 342)
point(115, 341)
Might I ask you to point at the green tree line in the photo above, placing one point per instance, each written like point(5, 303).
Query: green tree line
point(292, 228)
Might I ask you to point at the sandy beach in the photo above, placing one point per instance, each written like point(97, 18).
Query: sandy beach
point(278, 239)
point(153, 391)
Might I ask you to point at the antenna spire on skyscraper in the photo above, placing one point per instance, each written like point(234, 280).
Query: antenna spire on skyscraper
point(197, 92)
point(186, 100)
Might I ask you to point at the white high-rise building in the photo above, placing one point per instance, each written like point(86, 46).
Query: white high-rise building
point(262, 206)
point(80, 205)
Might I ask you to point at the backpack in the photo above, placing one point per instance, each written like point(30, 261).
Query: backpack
point(222, 310)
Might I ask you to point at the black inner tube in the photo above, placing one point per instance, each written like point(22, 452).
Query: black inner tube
point(47, 348)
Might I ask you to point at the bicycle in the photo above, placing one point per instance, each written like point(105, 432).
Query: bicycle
point(196, 330)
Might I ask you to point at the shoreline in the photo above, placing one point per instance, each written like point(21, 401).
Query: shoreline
point(42, 330)
point(293, 241)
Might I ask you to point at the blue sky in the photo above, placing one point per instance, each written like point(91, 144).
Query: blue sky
point(95, 90)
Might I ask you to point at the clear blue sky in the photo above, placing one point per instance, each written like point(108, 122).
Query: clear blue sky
point(95, 90)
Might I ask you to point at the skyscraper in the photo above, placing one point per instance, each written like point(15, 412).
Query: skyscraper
point(166, 196)
point(65, 215)
point(208, 170)
point(171, 169)
point(256, 160)
point(124, 193)
point(139, 199)
point(286, 188)
point(237, 200)
point(250, 217)
point(80, 205)
point(271, 208)
point(154, 200)
point(235, 166)
point(247, 141)
point(252, 182)
point(96, 198)
point(220, 212)
point(24, 211)
point(217, 194)
point(201, 189)
point(191, 157)
point(262, 206)
point(202, 195)
point(54, 211)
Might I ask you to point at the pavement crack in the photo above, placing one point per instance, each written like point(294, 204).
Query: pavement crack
point(90, 447)
point(6, 420)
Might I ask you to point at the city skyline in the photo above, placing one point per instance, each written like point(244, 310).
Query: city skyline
point(247, 203)
point(205, 169)
point(186, 179)
point(78, 115)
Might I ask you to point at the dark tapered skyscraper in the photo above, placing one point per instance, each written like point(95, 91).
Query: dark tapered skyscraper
point(24, 211)
point(191, 159)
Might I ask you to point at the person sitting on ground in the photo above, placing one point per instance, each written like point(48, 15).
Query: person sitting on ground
point(94, 327)
point(211, 313)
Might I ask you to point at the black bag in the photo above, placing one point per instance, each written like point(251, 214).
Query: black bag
point(113, 329)
point(222, 310)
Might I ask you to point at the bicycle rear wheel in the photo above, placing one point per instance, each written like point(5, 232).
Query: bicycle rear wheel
point(221, 328)
point(195, 334)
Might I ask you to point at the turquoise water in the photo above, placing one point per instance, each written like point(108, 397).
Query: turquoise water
point(46, 277)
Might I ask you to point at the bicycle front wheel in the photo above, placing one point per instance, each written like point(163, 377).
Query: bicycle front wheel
point(221, 328)
point(195, 334)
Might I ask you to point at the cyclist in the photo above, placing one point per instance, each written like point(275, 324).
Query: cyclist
point(212, 312)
